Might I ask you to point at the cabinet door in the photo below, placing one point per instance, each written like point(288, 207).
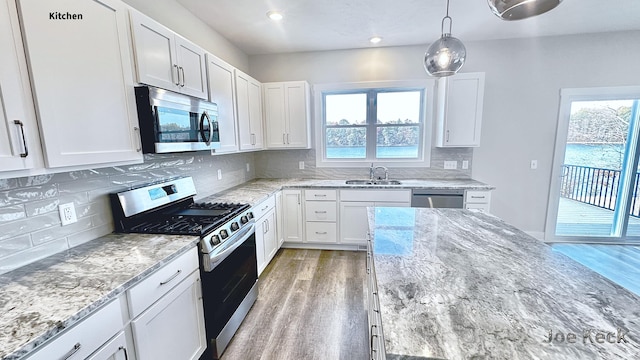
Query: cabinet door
point(255, 113)
point(270, 240)
point(460, 100)
point(115, 349)
point(221, 91)
point(298, 115)
point(274, 116)
point(154, 52)
point(354, 222)
point(261, 231)
point(279, 219)
point(82, 81)
point(173, 328)
point(191, 64)
point(19, 142)
point(293, 222)
point(242, 100)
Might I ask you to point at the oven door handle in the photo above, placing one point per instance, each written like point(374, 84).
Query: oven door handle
point(217, 258)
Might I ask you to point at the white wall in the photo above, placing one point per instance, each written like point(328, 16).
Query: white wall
point(523, 80)
point(174, 16)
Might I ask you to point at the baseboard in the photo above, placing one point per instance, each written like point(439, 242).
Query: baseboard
point(318, 246)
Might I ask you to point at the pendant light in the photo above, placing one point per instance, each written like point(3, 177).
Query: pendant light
point(521, 9)
point(445, 56)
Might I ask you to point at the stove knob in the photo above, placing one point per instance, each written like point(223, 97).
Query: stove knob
point(244, 220)
point(224, 234)
point(235, 226)
point(250, 215)
point(215, 240)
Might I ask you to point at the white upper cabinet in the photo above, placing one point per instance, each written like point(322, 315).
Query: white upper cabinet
point(19, 141)
point(221, 81)
point(166, 60)
point(459, 110)
point(287, 115)
point(81, 78)
point(249, 107)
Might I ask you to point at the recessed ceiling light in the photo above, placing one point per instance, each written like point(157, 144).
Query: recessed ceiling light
point(274, 15)
point(375, 39)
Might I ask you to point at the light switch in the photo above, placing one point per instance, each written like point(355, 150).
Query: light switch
point(219, 174)
point(450, 165)
point(465, 164)
point(301, 165)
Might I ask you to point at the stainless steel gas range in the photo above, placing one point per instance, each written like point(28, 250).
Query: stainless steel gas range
point(228, 266)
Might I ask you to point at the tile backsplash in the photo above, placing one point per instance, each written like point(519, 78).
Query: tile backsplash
point(30, 227)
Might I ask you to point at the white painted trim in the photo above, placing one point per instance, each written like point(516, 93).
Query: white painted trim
point(536, 234)
point(428, 85)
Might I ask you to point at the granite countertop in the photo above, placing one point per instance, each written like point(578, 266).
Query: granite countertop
point(459, 284)
point(40, 300)
point(255, 191)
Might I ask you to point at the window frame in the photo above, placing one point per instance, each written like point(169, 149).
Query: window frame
point(427, 88)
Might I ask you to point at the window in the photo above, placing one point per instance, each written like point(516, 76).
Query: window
point(372, 122)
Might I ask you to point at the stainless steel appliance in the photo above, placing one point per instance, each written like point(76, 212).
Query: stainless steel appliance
point(228, 265)
point(426, 198)
point(171, 122)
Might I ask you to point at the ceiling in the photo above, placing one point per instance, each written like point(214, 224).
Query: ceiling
point(316, 25)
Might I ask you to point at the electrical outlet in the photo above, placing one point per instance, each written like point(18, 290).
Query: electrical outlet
point(248, 168)
point(67, 213)
point(534, 164)
point(465, 164)
point(219, 174)
point(450, 165)
point(301, 165)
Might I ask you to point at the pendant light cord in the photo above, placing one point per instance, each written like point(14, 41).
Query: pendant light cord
point(445, 18)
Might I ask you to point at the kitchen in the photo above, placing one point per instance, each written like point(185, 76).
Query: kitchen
point(31, 223)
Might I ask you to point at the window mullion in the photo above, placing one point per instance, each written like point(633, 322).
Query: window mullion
point(372, 112)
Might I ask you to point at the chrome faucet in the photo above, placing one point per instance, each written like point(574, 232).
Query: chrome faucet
point(372, 172)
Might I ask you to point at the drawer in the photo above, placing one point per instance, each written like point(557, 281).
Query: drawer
point(320, 194)
point(376, 195)
point(321, 232)
point(86, 337)
point(264, 207)
point(476, 196)
point(320, 210)
point(152, 288)
point(481, 206)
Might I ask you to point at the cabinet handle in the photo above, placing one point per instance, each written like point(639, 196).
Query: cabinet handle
point(298, 195)
point(139, 138)
point(288, 139)
point(24, 139)
point(182, 71)
point(372, 336)
point(320, 195)
point(477, 197)
point(320, 212)
point(321, 232)
point(284, 138)
point(253, 137)
point(122, 348)
point(177, 74)
point(71, 352)
point(171, 278)
point(447, 135)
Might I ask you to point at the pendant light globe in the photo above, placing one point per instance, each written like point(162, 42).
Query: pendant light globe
point(521, 9)
point(446, 55)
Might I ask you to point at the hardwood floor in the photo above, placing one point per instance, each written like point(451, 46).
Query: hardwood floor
point(618, 263)
point(310, 306)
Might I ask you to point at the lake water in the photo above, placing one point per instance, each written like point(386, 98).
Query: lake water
point(607, 156)
point(384, 152)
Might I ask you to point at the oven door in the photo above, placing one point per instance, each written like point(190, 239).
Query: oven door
point(229, 291)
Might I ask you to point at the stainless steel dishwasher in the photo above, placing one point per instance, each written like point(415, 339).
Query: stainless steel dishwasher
point(426, 198)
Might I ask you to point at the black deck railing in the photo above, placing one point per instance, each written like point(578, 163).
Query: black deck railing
point(596, 186)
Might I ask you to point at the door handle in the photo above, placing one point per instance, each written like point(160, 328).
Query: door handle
point(177, 74)
point(24, 139)
point(138, 138)
point(182, 71)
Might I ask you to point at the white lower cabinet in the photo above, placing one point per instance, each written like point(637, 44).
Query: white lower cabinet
point(84, 338)
point(173, 327)
point(478, 200)
point(279, 219)
point(293, 225)
point(321, 214)
point(115, 349)
point(266, 239)
point(354, 222)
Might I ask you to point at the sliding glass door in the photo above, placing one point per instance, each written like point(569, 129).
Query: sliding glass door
point(594, 188)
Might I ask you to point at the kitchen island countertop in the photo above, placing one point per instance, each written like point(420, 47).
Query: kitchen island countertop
point(41, 299)
point(458, 284)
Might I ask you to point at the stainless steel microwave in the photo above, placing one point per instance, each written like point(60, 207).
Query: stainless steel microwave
point(172, 122)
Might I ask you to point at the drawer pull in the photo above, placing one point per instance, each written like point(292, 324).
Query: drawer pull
point(320, 212)
point(477, 197)
point(372, 336)
point(171, 278)
point(265, 208)
point(320, 195)
point(122, 348)
point(321, 232)
point(24, 139)
point(71, 352)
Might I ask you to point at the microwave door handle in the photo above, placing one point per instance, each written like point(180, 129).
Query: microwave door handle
point(207, 139)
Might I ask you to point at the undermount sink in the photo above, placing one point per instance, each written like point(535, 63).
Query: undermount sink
point(373, 182)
